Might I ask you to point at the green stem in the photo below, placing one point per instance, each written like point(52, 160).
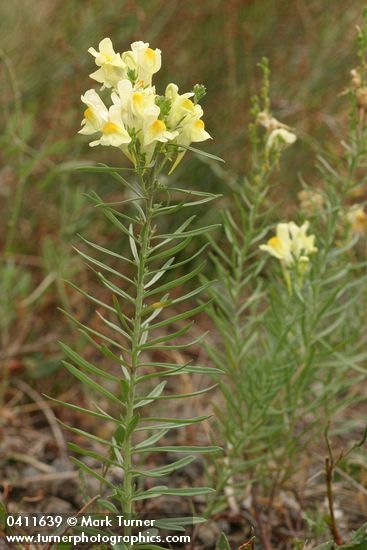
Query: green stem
point(136, 336)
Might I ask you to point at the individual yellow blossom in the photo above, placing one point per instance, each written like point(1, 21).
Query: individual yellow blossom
point(95, 115)
point(181, 105)
point(192, 128)
point(113, 130)
point(144, 60)
point(301, 244)
point(155, 129)
point(280, 138)
point(112, 68)
point(280, 245)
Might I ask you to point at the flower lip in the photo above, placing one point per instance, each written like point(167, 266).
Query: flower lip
point(158, 126)
point(110, 128)
point(150, 54)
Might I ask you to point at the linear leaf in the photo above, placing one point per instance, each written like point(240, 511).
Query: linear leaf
point(159, 273)
point(92, 454)
point(191, 233)
point(84, 411)
point(166, 469)
point(91, 471)
point(113, 326)
point(176, 282)
point(103, 266)
point(170, 251)
point(154, 394)
point(79, 360)
point(107, 251)
point(93, 385)
point(179, 316)
point(184, 395)
point(133, 245)
point(180, 449)
point(87, 330)
point(167, 337)
point(176, 492)
point(152, 439)
point(171, 523)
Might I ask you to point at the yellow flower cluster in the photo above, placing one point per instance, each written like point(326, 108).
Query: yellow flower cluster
point(139, 119)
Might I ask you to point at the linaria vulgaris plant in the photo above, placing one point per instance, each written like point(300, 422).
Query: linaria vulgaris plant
point(153, 131)
point(290, 327)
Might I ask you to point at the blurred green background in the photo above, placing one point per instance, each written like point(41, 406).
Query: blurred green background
point(44, 69)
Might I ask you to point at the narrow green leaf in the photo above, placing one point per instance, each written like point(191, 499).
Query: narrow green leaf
point(152, 396)
point(103, 266)
point(191, 233)
point(159, 273)
point(83, 363)
point(170, 251)
point(88, 330)
point(169, 491)
point(107, 251)
point(114, 327)
point(102, 416)
point(93, 385)
point(115, 289)
point(185, 395)
point(133, 248)
point(176, 282)
point(180, 449)
point(179, 317)
point(152, 439)
point(223, 543)
point(92, 454)
point(91, 471)
point(87, 435)
point(168, 337)
point(167, 469)
point(171, 523)
point(197, 151)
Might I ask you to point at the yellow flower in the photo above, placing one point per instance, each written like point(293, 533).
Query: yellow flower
point(155, 129)
point(144, 60)
point(112, 68)
point(280, 245)
point(301, 244)
point(95, 115)
point(279, 138)
point(113, 130)
point(181, 105)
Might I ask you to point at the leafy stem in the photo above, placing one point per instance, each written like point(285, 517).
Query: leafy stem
point(145, 235)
